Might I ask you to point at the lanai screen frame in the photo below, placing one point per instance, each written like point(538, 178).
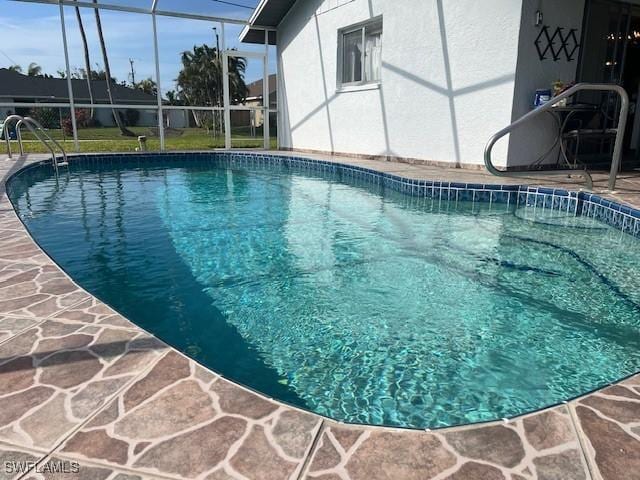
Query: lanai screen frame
point(154, 12)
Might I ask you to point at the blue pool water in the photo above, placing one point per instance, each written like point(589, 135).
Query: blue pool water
point(354, 302)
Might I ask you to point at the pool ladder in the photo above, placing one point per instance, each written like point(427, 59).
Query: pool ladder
point(36, 129)
point(547, 107)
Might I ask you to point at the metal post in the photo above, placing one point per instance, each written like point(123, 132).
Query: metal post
point(225, 89)
point(616, 163)
point(265, 93)
point(72, 106)
point(5, 131)
point(19, 137)
point(159, 89)
point(279, 96)
point(216, 123)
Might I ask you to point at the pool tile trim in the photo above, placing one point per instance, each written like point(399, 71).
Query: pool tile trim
point(620, 216)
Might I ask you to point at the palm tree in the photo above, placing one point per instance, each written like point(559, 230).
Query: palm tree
point(148, 86)
point(173, 97)
point(34, 70)
point(200, 80)
point(15, 68)
point(87, 61)
point(238, 90)
point(123, 130)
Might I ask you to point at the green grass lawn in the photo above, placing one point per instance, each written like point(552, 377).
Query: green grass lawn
point(108, 139)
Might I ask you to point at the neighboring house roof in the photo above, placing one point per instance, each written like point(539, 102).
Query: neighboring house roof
point(17, 86)
point(255, 88)
point(268, 13)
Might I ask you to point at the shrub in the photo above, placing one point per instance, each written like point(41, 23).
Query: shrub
point(83, 120)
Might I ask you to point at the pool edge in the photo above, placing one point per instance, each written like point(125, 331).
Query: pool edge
point(326, 425)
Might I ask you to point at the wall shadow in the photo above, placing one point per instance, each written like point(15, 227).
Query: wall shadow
point(447, 90)
point(324, 83)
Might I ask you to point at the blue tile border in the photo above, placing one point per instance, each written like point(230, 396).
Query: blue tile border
point(621, 217)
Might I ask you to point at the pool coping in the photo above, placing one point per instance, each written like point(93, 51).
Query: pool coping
point(456, 448)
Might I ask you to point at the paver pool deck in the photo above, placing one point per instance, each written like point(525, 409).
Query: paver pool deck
point(81, 385)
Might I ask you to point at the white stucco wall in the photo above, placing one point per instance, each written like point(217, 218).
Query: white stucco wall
point(448, 71)
point(532, 140)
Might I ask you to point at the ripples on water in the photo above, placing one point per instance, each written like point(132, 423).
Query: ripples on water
point(360, 304)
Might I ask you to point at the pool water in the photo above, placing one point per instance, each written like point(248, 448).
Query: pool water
point(358, 303)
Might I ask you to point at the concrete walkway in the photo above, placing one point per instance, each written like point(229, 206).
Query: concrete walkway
point(85, 391)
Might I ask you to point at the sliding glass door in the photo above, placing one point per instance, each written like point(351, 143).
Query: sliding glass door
point(611, 54)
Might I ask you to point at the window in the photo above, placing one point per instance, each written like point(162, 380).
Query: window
point(360, 53)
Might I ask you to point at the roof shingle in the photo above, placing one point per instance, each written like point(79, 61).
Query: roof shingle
point(16, 86)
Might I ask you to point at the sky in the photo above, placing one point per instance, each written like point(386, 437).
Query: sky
point(32, 33)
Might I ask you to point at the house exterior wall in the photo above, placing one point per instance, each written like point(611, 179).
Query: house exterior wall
point(6, 111)
point(448, 74)
point(148, 118)
point(176, 118)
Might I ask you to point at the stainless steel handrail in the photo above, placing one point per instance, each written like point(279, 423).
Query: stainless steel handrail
point(38, 131)
point(617, 150)
point(30, 127)
point(5, 132)
point(30, 120)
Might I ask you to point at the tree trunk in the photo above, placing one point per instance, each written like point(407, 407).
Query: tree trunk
point(196, 118)
point(194, 113)
point(87, 60)
point(107, 70)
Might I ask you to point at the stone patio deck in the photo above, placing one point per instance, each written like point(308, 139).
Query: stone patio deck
point(83, 388)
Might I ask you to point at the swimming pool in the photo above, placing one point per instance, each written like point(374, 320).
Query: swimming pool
point(335, 289)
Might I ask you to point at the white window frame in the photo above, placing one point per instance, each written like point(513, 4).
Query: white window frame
point(361, 84)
